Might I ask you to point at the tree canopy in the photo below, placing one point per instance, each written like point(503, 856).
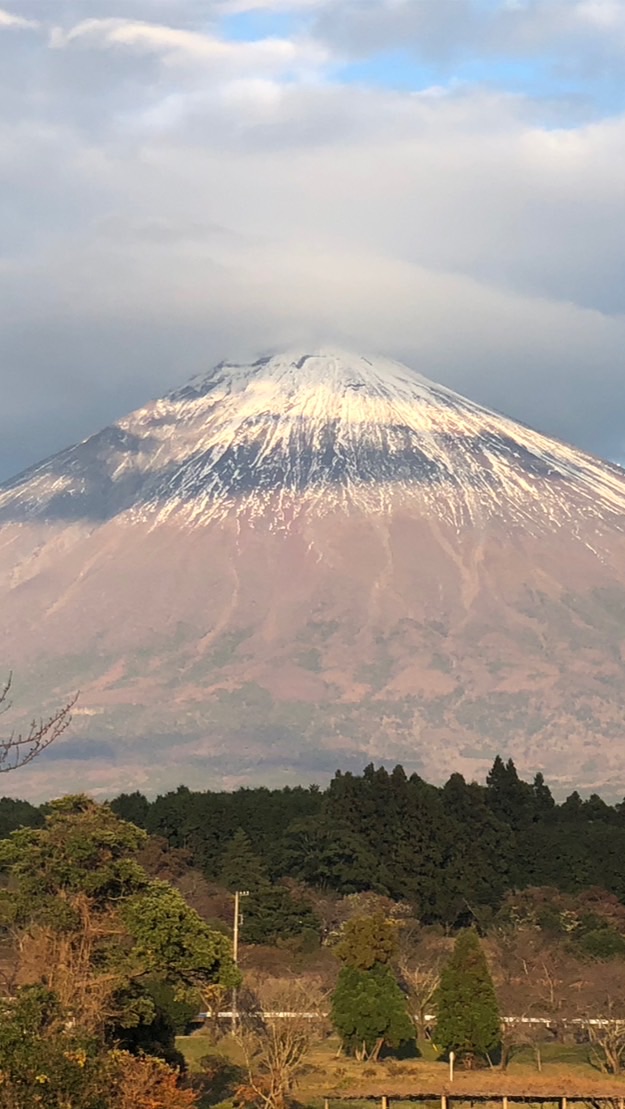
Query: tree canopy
point(453, 852)
point(369, 1011)
point(93, 927)
point(467, 1013)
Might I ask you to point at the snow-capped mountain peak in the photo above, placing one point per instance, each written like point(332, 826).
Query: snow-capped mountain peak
point(338, 430)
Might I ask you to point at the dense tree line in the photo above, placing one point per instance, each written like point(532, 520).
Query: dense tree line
point(452, 852)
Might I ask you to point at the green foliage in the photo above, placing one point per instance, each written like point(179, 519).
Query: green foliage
point(367, 941)
point(273, 914)
point(327, 855)
point(478, 861)
point(171, 939)
point(602, 943)
point(167, 1015)
point(369, 1011)
point(591, 924)
point(43, 1064)
point(442, 850)
point(78, 877)
point(133, 807)
point(241, 869)
point(18, 814)
point(83, 848)
point(468, 1020)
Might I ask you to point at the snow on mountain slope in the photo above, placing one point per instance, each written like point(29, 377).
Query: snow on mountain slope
point(332, 428)
point(313, 560)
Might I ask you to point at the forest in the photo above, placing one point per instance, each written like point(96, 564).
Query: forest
point(376, 902)
point(453, 853)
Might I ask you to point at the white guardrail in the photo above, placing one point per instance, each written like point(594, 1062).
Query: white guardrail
point(429, 1018)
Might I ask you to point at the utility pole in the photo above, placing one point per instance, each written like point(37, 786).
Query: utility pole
point(238, 894)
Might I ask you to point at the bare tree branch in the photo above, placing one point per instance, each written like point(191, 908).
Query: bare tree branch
point(20, 748)
point(275, 1040)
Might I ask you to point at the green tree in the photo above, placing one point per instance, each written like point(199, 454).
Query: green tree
point(18, 814)
point(328, 855)
point(44, 1064)
point(92, 926)
point(478, 852)
point(133, 807)
point(273, 913)
point(367, 941)
point(369, 1012)
point(467, 1020)
point(507, 796)
point(171, 1014)
point(241, 869)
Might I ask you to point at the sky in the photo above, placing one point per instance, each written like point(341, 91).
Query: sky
point(441, 181)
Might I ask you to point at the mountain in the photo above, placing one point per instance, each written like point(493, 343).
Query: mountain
point(311, 561)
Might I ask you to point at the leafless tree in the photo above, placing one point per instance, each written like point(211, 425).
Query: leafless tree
point(276, 1036)
point(20, 748)
point(608, 1045)
point(604, 1015)
point(538, 983)
point(421, 975)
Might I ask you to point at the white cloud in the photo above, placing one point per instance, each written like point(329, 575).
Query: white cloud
point(178, 46)
point(604, 14)
point(172, 197)
point(448, 30)
point(236, 7)
point(8, 19)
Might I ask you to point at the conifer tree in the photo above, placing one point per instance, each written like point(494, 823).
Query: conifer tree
point(241, 869)
point(468, 1020)
point(369, 1011)
point(368, 1007)
point(367, 941)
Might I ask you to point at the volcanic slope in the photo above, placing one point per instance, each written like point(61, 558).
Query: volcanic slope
point(317, 560)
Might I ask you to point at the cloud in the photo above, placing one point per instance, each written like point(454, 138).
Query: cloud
point(607, 15)
point(173, 196)
point(570, 33)
point(8, 19)
point(178, 46)
point(236, 7)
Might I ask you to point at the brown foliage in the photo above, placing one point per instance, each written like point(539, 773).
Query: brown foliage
point(143, 1082)
point(64, 962)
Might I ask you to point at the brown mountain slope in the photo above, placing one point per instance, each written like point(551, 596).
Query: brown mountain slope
point(251, 580)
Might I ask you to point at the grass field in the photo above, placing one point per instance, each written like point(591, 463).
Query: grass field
point(566, 1071)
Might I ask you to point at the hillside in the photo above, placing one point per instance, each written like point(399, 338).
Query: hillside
point(309, 560)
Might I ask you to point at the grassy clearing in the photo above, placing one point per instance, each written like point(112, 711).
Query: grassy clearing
point(566, 1070)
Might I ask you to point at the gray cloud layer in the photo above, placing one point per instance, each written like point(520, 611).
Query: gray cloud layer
point(171, 197)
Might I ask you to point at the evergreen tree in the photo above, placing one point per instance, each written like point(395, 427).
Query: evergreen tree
point(507, 796)
point(468, 1020)
point(329, 856)
point(572, 809)
point(369, 1012)
point(543, 802)
point(272, 913)
point(18, 814)
point(479, 852)
point(133, 807)
point(367, 941)
point(241, 869)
